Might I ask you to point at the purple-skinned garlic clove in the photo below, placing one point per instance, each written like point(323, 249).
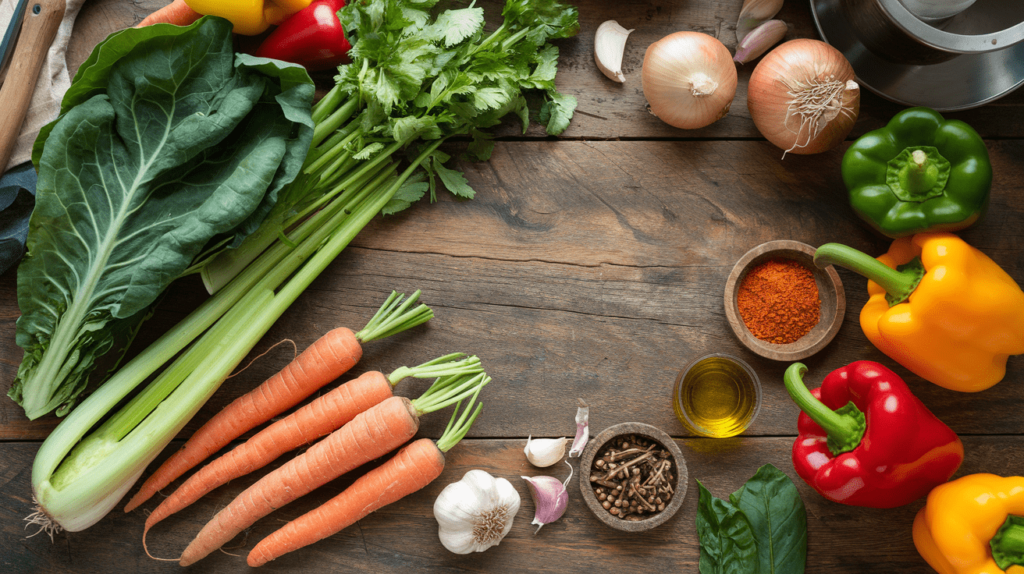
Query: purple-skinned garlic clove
point(550, 497)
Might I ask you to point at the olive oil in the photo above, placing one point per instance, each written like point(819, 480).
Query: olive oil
point(717, 396)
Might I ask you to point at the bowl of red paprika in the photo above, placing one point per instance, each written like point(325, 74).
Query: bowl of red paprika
point(780, 305)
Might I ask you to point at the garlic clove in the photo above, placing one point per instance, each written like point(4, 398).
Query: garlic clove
point(550, 497)
point(543, 452)
point(753, 13)
point(609, 44)
point(759, 40)
point(582, 430)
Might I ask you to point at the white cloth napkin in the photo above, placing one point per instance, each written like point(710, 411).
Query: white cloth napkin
point(53, 80)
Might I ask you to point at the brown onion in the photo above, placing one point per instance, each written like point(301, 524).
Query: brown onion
point(689, 79)
point(803, 98)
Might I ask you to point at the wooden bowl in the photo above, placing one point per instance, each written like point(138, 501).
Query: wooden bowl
point(830, 290)
point(595, 446)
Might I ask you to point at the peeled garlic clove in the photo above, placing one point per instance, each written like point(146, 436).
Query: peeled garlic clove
point(550, 498)
point(759, 40)
point(544, 452)
point(582, 429)
point(609, 44)
point(753, 13)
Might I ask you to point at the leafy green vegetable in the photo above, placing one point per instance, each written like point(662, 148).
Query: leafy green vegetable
point(775, 519)
point(727, 544)
point(95, 454)
point(415, 80)
point(778, 519)
point(166, 141)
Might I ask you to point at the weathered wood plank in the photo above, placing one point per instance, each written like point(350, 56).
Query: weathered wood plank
point(596, 270)
point(841, 539)
point(608, 110)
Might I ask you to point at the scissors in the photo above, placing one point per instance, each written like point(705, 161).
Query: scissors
point(25, 44)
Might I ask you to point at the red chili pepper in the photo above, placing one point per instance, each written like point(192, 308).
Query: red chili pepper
point(869, 441)
point(312, 37)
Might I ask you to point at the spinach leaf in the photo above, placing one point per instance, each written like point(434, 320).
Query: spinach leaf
point(777, 519)
point(167, 141)
point(727, 543)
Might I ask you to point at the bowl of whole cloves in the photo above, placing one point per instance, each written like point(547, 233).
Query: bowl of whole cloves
point(633, 477)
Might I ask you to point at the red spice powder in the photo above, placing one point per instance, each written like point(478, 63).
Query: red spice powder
point(779, 302)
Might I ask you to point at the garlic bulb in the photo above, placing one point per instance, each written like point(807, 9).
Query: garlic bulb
point(544, 452)
point(476, 512)
point(609, 44)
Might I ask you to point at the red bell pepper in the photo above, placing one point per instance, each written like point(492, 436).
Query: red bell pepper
point(869, 441)
point(312, 37)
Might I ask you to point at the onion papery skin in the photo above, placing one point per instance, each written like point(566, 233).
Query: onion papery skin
point(668, 65)
point(768, 97)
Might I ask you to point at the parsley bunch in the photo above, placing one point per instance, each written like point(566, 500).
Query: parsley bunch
point(418, 76)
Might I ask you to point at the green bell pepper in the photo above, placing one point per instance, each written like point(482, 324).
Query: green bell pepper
point(920, 172)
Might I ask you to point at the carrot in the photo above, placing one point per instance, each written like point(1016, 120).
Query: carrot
point(371, 434)
point(325, 360)
point(413, 468)
point(177, 12)
point(318, 418)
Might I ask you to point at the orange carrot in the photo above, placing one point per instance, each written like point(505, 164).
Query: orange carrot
point(413, 468)
point(371, 434)
point(177, 13)
point(325, 360)
point(318, 418)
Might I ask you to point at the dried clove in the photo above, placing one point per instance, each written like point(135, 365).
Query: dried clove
point(632, 479)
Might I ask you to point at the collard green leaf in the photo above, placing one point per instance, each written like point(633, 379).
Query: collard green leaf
point(727, 543)
point(777, 518)
point(169, 141)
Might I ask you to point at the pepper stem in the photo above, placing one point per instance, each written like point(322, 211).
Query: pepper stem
point(845, 427)
point(1008, 543)
point(898, 283)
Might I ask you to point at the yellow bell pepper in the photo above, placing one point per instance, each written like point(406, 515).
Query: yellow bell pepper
point(939, 307)
point(973, 525)
point(250, 17)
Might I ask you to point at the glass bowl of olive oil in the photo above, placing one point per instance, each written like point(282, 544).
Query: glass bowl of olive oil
point(717, 396)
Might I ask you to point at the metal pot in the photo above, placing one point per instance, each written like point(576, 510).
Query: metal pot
point(924, 52)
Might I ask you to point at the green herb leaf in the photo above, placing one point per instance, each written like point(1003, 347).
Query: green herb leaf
point(482, 146)
point(557, 112)
point(777, 518)
point(727, 544)
point(454, 181)
point(411, 191)
point(454, 26)
point(369, 151)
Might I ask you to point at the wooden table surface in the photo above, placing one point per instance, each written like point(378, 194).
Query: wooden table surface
point(592, 266)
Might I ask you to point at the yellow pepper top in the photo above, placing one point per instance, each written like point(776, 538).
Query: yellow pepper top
point(954, 532)
point(250, 17)
point(957, 326)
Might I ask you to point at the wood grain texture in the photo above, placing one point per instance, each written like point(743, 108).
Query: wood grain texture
point(596, 270)
point(403, 536)
point(608, 110)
